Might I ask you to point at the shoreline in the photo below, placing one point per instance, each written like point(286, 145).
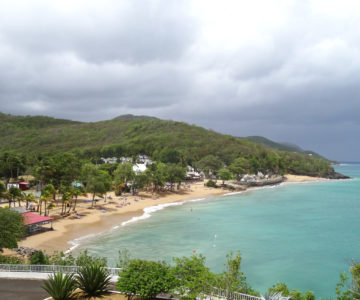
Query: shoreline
point(67, 231)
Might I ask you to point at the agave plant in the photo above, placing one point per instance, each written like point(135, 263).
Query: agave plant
point(93, 280)
point(61, 286)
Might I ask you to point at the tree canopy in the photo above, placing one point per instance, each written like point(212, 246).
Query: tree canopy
point(11, 228)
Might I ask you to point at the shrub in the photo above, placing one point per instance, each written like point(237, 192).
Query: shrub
point(60, 286)
point(39, 258)
point(11, 260)
point(93, 279)
point(60, 259)
point(146, 278)
point(85, 259)
point(211, 183)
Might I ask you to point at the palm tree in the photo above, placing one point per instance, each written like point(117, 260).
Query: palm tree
point(2, 190)
point(93, 279)
point(65, 199)
point(30, 198)
point(50, 206)
point(61, 286)
point(21, 197)
point(78, 191)
point(14, 193)
point(8, 197)
point(45, 198)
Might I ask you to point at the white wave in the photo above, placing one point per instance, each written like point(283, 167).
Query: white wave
point(194, 200)
point(149, 210)
point(76, 242)
point(233, 193)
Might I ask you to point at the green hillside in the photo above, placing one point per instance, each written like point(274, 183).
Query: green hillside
point(163, 140)
point(281, 146)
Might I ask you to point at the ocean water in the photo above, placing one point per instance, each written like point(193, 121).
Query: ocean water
point(303, 234)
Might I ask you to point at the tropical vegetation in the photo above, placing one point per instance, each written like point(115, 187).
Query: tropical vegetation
point(164, 141)
point(12, 228)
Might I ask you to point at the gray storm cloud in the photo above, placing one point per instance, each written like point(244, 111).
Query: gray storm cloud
point(287, 70)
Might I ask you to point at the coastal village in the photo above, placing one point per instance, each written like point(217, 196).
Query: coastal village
point(54, 201)
point(82, 207)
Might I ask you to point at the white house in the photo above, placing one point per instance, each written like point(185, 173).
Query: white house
point(139, 168)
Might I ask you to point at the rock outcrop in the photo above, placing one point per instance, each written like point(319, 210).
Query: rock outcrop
point(337, 175)
point(25, 251)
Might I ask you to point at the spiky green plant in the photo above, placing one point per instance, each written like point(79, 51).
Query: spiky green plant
point(60, 286)
point(93, 280)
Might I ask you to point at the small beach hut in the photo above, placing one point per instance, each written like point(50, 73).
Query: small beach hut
point(24, 185)
point(35, 222)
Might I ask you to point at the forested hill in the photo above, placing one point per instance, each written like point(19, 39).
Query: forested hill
point(168, 141)
point(281, 146)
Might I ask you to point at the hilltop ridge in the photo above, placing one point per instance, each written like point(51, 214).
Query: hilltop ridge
point(130, 135)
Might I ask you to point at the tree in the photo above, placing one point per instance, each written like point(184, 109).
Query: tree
point(175, 173)
point(65, 201)
point(11, 166)
point(210, 163)
point(346, 290)
point(224, 174)
point(193, 276)
point(46, 197)
point(39, 258)
point(30, 198)
point(294, 294)
point(146, 278)
point(11, 228)
point(124, 173)
point(172, 156)
point(141, 180)
point(240, 166)
point(157, 173)
point(355, 273)
point(59, 169)
point(75, 192)
point(2, 189)
point(97, 181)
point(232, 279)
point(14, 194)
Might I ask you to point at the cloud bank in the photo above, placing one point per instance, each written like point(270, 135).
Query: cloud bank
point(287, 70)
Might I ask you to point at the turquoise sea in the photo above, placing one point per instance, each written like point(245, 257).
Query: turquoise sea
point(303, 234)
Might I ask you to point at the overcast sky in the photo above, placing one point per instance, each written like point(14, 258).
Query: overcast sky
point(286, 70)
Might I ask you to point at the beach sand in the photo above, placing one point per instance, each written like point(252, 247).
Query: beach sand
point(109, 214)
point(301, 178)
point(99, 220)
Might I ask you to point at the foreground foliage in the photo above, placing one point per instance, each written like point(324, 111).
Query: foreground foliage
point(93, 279)
point(282, 289)
point(11, 228)
point(146, 278)
point(187, 278)
point(61, 286)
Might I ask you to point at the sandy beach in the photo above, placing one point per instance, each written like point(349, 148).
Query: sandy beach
point(107, 214)
point(301, 178)
point(111, 213)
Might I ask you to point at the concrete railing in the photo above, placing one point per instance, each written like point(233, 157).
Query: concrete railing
point(47, 269)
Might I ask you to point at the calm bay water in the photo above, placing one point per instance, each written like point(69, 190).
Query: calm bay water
point(303, 234)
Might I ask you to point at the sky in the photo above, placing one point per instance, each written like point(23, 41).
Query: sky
point(287, 70)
